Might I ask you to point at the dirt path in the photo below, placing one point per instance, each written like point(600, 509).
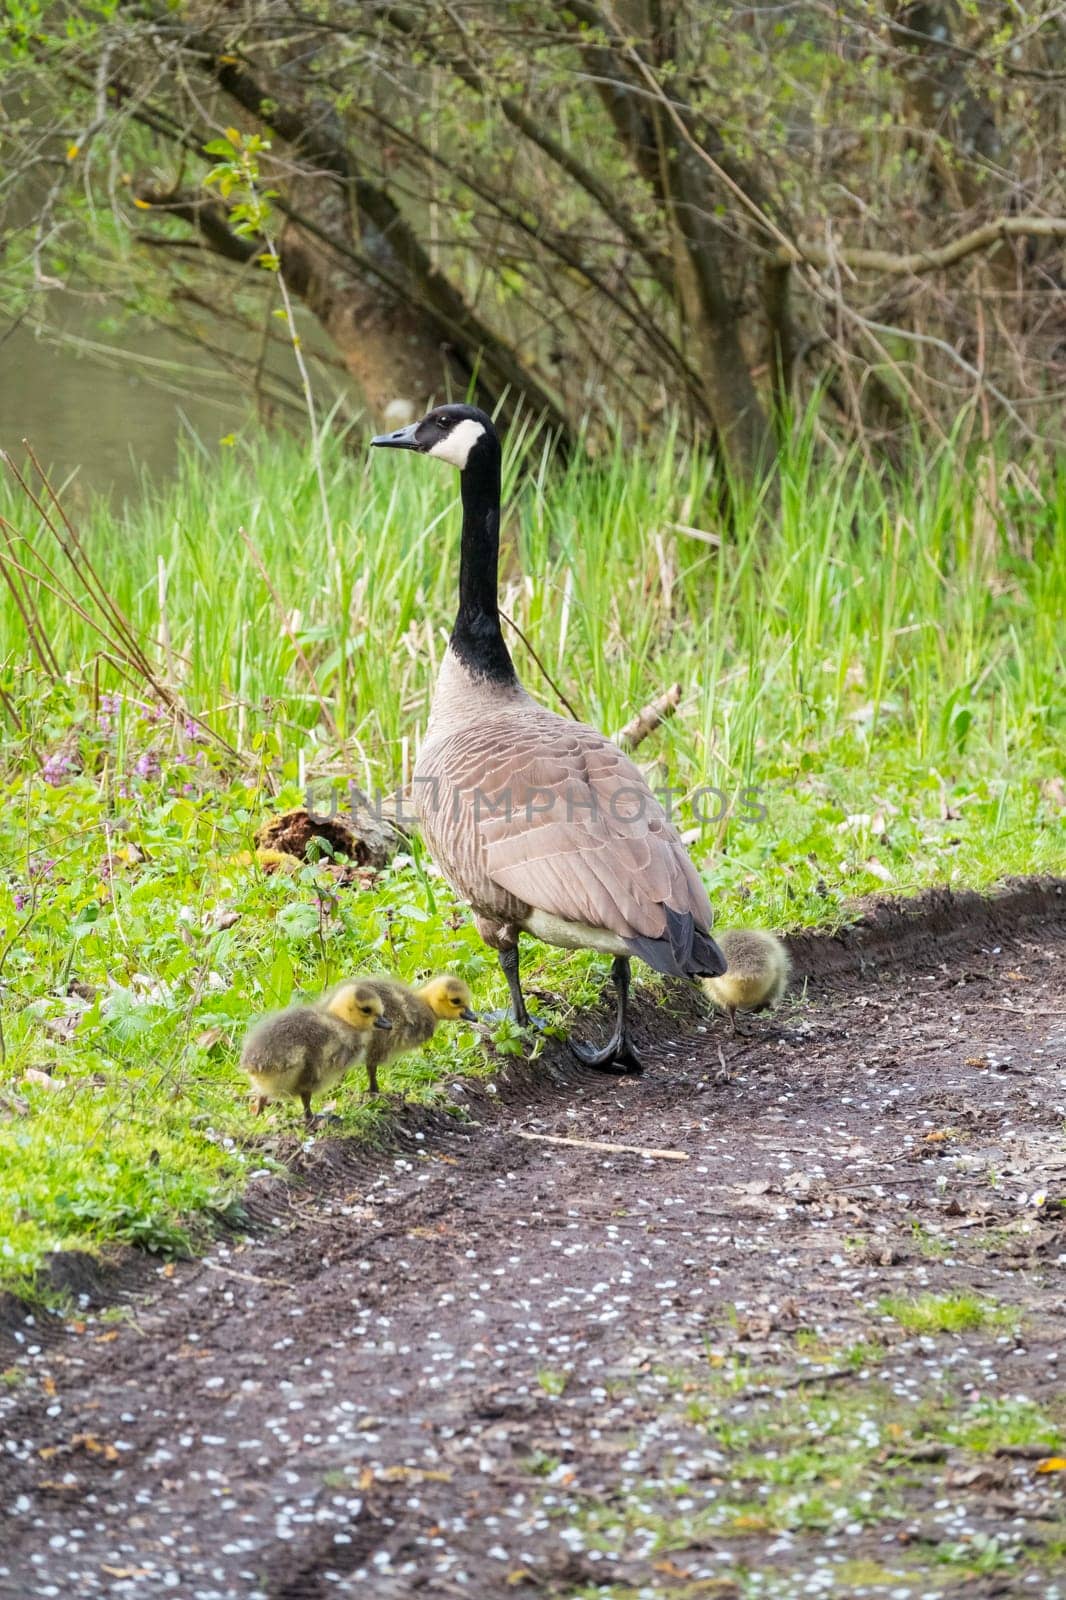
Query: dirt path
point(493, 1366)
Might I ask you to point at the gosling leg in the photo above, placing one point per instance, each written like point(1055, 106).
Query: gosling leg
point(305, 1099)
point(618, 1054)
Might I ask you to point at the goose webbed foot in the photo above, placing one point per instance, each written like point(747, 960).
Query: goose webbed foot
point(618, 1055)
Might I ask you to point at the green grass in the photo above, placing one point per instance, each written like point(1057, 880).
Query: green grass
point(885, 666)
point(837, 1472)
point(552, 1381)
point(952, 1313)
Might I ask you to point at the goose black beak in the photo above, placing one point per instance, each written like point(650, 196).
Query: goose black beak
point(402, 439)
point(382, 1022)
point(468, 1015)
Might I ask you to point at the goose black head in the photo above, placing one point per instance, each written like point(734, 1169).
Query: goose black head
point(451, 433)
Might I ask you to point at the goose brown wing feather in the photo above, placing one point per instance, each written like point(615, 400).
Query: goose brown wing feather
point(531, 811)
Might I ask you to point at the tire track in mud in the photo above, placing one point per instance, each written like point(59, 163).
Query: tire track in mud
point(430, 1372)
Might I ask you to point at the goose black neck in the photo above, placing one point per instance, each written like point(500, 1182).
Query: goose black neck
point(476, 637)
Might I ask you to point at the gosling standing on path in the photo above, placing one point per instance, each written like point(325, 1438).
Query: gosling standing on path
point(306, 1049)
point(541, 824)
point(413, 1015)
point(756, 975)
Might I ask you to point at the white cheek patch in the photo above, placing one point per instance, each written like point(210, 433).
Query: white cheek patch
point(456, 446)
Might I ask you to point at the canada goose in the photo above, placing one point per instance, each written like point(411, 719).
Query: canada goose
point(756, 975)
point(305, 1049)
point(413, 1015)
point(541, 824)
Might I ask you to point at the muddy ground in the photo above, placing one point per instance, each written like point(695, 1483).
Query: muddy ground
point(489, 1365)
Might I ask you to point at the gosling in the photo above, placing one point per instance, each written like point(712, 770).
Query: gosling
point(756, 975)
point(413, 1015)
point(306, 1049)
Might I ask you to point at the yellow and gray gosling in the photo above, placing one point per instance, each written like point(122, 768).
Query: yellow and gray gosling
point(413, 1014)
point(306, 1049)
point(756, 975)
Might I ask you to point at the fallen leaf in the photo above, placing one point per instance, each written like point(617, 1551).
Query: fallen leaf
point(49, 1386)
point(208, 1038)
point(1051, 1464)
point(106, 1338)
point(939, 1135)
point(94, 1446)
point(366, 1478)
point(35, 1075)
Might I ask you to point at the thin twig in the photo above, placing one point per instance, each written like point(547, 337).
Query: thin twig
point(648, 718)
point(512, 624)
point(834, 1375)
point(112, 625)
point(309, 397)
point(602, 1144)
point(247, 1277)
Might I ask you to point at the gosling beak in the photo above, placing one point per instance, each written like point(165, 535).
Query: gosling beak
point(402, 439)
point(468, 1015)
point(382, 1022)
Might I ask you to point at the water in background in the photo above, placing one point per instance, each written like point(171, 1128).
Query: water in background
point(101, 421)
point(103, 412)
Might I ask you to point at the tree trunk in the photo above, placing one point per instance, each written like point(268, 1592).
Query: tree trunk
point(939, 95)
point(401, 327)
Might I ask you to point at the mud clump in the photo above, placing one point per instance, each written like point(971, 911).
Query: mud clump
point(364, 839)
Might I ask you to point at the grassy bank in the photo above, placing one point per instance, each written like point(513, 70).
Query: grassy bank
point(876, 688)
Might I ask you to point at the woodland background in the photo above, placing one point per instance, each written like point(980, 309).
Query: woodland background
point(659, 213)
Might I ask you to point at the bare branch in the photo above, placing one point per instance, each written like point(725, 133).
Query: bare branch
point(916, 262)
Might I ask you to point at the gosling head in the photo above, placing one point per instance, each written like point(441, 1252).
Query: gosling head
point(359, 1006)
point(449, 999)
point(455, 434)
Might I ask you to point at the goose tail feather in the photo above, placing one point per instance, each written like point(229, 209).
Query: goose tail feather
point(683, 950)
